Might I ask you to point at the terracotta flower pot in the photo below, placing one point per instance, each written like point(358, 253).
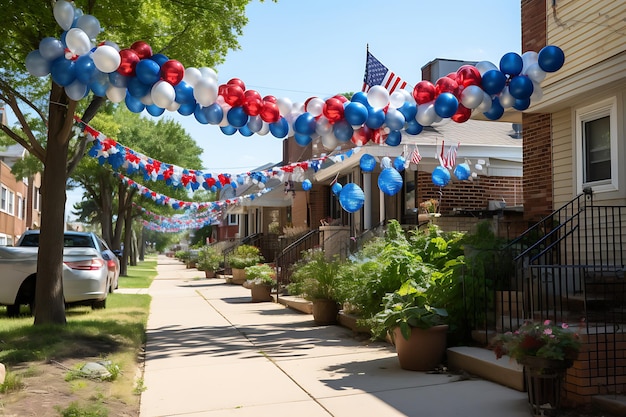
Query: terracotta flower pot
point(325, 311)
point(239, 276)
point(209, 274)
point(424, 350)
point(260, 293)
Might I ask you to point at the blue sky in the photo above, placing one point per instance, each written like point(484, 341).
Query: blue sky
point(300, 49)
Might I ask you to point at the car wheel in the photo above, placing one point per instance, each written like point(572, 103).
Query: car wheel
point(13, 310)
point(99, 305)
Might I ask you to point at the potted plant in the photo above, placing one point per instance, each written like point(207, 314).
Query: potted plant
point(242, 257)
point(546, 350)
point(260, 280)
point(209, 259)
point(316, 278)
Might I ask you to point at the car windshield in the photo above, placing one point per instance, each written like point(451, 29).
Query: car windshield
point(69, 241)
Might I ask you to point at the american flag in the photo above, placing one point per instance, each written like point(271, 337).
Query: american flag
point(415, 156)
point(378, 74)
point(448, 159)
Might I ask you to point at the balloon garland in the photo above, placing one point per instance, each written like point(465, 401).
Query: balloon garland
point(156, 83)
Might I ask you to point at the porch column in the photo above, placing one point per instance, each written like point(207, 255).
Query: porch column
point(367, 207)
point(381, 218)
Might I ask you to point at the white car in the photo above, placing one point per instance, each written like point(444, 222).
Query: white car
point(86, 276)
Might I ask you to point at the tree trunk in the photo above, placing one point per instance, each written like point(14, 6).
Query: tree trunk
point(106, 214)
point(49, 302)
point(142, 245)
point(133, 247)
point(128, 222)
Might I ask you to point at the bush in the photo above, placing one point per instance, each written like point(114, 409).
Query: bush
point(315, 277)
point(209, 258)
point(244, 255)
point(262, 274)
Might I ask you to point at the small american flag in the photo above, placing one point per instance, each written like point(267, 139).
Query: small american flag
point(448, 159)
point(415, 156)
point(378, 74)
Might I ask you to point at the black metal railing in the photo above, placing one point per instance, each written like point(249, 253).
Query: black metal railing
point(291, 254)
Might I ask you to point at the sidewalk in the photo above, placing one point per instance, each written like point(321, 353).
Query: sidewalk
point(210, 352)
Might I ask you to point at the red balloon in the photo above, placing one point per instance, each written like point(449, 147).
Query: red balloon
point(468, 75)
point(233, 95)
point(377, 137)
point(271, 99)
point(446, 85)
point(270, 112)
point(452, 76)
point(333, 110)
point(142, 49)
point(341, 98)
point(462, 114)
point(237, 82)
point(129, 60)
point(424, 92)
point(362, 136)
point(221, 90)
point(252, 103)
point(172, 71)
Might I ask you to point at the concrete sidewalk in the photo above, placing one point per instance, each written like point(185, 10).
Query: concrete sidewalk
point(210, 352)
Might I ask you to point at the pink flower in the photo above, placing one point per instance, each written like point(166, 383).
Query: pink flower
point(564, 325)
point(547, 331)
point(546, 323)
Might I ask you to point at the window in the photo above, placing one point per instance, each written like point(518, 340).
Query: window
point(3, 240)
point(11, 203)
point(7, 200)
point(596, 144)
point(20, 207)
point(36, 198)
point(232, 219)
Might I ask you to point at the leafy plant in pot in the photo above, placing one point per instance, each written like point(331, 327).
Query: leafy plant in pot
point(209, 260)
point(416, 325)
point(316, 278)
point(260, 280)
point(242, 257)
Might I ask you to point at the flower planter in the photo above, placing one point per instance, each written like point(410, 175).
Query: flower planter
point(325, 312)
point(239, 276)
point(209, 274)
point(544, 379)
point(424, 350)
point(260, 293)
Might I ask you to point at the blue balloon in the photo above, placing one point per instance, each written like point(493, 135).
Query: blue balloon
point(160, 59)
point(343, 130)
point(496, 111)
point(305, 124)
point(511, 63)
point(133, 103)
point(551, 58)
point(99, 84)
point(355, 113)
point(446, 104)
point(187, 109)
point(398, 163)
point(375, 118)
point(336, 188)
point(390, 181)
point(148, 71)
point(255, 123)
point(118, 80)
point(409, 110)
point(280, 129)
point(306, 185)
point(228, 130)
point(462, 171)
point(394, 119)
point(63, 71)
point(214, 113)
point(184, 93)
point(367, 163)
point(155, 110)
point(413, 127)
point(351, 198)
point(245, 131)
point(493, 81)
point(302, 139)
point(360, 97)
point(521, 87)
point(394, 138)
point(237, 117)
point(521, 104)
point(85, 69)
point(138, 89)
point(200, 115)
point(440, 176)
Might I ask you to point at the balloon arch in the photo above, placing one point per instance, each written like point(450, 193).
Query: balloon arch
point(156, 83)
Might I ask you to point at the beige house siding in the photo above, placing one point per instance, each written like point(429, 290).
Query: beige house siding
point(562, 157)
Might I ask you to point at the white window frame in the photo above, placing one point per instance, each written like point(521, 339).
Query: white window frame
point(3, 239)
point(20, 206)
point(233, 219)
point(11, 203)
point(590, 113)
point(36, 198)
point(7, 200)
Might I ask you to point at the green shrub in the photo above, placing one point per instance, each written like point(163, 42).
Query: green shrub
point(243, 256)
point(315, 277)
point(209, 258)
point(261, 274)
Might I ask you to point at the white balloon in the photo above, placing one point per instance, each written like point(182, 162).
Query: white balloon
point(173, 107)
point(472, 96)
point(51, 48)
point(484, 66)
point(113, 44)
point(163, 94)
point(378, 96)
point(397, 99)
point(486, 103)
point(385, 162)
point(284, 106)
point(205, 91)
point(537, 92)
point(64, 14)
point(426, 114)
point(116, 94)
point(147, 99)
point(76, 90)
point(225, 107)
point(77, 41)
point(208, 73)
point(36, 65)
point(106, 58)
point(315, 106)
point(323, 126)
point(506, 99)
point(90, 25)
point(329, 141)
point(535, 73)
point(529, 58)
point(255, 123)
point(408, 97)
point(265, 129)
point(192, 76)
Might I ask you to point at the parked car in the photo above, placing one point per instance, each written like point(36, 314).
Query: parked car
point(90, 271)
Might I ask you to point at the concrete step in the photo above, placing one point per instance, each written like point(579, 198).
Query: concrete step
point(483, 363)
point(296, 303)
